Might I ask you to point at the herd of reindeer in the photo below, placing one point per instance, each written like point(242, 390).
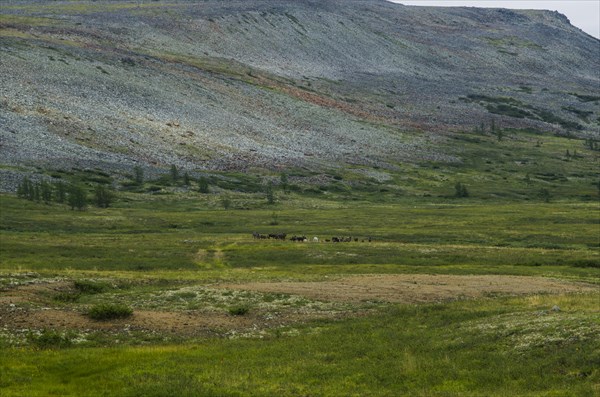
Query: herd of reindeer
point(304, 239)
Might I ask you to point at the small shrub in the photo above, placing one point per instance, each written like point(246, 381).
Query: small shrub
point(239, 310)
point(586, 263)
point(545, 195)
point(154, 189)
point(90, 287)
point(460, 190)
point(128, 61)
point(274, 220)
point(67, 297)
point(108, 311)
point(48, 339)
point(203, 185)
point(226, 202)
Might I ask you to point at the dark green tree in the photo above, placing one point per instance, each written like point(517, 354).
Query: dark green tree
point(36, 192)
point(77, 198)
point(174, 173)
point(226, 202)
point(30, 190)
point(23, 188)
point(284, 183)
point(545, 195)
point(203, 185)
point(103, 196)
point(460, 190)
point(46, 192)
point(499, 134)
point(186, 179)
point(269, 193)
point(591, 144)
point(138, 175)
point(60, 192)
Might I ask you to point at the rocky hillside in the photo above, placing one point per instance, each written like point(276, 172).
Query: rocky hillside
point(220, 85)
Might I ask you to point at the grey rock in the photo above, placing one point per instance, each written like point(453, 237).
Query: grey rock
point(222, 85)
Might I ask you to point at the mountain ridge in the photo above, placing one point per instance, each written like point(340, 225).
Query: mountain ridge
point(275, 84)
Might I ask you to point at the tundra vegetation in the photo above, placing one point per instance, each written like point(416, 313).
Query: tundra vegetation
point(150, 295)
point(434, 228)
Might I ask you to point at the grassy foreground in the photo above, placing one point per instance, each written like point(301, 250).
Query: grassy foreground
point(494, 346)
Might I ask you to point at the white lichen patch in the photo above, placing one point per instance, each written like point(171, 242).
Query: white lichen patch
point(13, 280)
point(524, 331)
point(208, 299)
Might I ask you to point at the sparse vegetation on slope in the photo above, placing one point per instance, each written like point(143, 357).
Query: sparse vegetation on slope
point(328, 86)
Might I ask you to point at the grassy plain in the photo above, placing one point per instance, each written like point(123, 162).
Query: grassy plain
point(160, 253)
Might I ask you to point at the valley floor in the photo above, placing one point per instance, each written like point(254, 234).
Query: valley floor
point(461, 298)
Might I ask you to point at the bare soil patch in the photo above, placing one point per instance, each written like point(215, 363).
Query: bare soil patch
point(31, 306)
point(416, 288)
point(182, 323)
point(31, 293)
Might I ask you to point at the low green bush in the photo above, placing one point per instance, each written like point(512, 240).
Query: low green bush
point(90, 287)
point(48, 339)
point(108, 311)
point(239, 310)
point(67, 296)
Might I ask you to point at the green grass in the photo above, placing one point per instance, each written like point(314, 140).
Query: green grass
point(184, 236)
point(470, 348)
point(159, 254)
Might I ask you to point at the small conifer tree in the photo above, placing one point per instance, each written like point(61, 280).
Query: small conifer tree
point(46, 192)
point(269, 193)
point(103, 197)
point(545, 195)
point(138, 175)
point(23, 189)
point(284, 183)
point(226, 202)
point(77, 198)
point(460, 190)
point(203, 185)
point(174, 173)
point(60, 191)
point(36, 192)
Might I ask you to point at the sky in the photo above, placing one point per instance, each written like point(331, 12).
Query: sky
point(585, 14)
